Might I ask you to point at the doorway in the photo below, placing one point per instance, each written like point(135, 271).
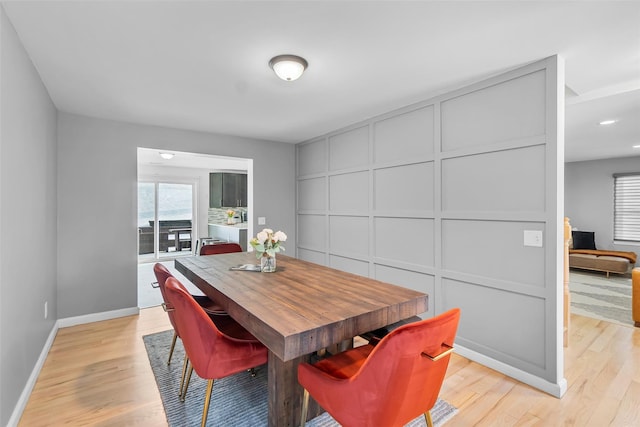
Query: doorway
point(180, 169)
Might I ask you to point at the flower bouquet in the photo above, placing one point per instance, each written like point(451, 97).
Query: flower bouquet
point(266, 244)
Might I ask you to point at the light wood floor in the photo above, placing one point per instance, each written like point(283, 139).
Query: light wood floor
point(99, 375)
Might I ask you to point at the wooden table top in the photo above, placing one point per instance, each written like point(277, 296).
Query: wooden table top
point(302, 307)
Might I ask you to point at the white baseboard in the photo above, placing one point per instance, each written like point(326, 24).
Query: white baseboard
point(97, 317)
point(31, 382)
point(60, 323)
point(556, 390)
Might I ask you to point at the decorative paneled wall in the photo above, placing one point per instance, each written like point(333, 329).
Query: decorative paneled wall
point(436, 197)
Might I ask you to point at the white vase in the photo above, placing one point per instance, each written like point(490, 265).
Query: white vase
point(230, 220)
point(267, 263)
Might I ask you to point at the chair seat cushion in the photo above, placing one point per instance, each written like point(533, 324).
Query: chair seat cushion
point(344, 365)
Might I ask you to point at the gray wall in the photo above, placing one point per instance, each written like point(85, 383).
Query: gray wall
point(27, 217)
point(589, 197)
point(437, 196)
point(97, 230)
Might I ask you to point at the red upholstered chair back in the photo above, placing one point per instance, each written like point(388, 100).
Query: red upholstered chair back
point(412, 381)
point(162, 274)
point(220, 248)
point(397, 382)
point(212, 354)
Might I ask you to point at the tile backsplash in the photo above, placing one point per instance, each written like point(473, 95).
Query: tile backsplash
point(219, 215)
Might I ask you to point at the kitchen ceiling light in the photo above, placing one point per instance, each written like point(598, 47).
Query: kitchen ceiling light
point(608, 122)
point(288, 67)
point(167, 156)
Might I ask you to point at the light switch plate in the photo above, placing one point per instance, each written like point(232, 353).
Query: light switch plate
point(533, 238)
point(262, 220)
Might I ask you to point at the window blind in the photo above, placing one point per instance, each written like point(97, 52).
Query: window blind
point(626, 210)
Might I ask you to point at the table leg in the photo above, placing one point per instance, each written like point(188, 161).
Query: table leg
point(285, 393)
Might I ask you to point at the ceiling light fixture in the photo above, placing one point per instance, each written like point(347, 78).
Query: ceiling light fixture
point(636, 146)
point(607, 122)
point(288, 67)
point(167, 156)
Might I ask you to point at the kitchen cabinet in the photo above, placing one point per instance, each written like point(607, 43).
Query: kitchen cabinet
point(227, 190)
point(230, 233)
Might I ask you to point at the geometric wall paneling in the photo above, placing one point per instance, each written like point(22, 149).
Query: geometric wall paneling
point(349, 236)
point(311, 256)
point(312, 157)
point(349, 192)
point(437, 196)
point(493, 249)
point(501, 181)
point(513, 109)
point(404, 136)
point(407, 188)
point(409, 279)
point(312, 232)
point(349, 265)
point(520, 344)
point(349, 149)
point(312, 194)
point(404, 240)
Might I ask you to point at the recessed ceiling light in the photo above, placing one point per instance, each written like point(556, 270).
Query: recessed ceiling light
point(636, 146)
point(608, 122)
point(167, 156)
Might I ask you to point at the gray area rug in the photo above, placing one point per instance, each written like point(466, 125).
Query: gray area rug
point(238, 400)
point(595, 296)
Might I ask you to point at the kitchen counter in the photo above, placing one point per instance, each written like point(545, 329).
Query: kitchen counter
point(236, 233)
point(238, 225)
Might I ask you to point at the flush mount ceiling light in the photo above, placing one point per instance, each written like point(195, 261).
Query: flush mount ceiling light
point(288, 67)
point(167, 156)
point(607, 122)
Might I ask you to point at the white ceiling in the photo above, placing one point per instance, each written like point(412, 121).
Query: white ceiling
point(203, 65)
point(150, 157)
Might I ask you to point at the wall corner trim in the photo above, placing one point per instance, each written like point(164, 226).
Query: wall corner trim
point(97, 317)
point(555, 390)
point(31, 382)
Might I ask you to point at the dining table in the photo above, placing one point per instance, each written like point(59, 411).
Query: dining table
point(296, 312)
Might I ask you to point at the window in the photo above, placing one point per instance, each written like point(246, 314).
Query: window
point(626, 207)
point(170, 205)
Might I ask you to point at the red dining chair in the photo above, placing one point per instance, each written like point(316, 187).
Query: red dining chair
point(162, 274)
point(213, 310)
point(220, 248)
point(213, 354)
point(388, 384)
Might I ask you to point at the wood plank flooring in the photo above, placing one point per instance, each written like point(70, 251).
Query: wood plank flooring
point(98, 374)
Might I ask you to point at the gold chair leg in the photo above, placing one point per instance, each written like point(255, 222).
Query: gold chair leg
point(427, 418)
point(207, 400)
point(185, 365)
point(186, 385)
point(305, 407)
point(173, 345)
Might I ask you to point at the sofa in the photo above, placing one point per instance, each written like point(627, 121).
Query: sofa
point(583, 254)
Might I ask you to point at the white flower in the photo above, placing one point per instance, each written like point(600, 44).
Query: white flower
point(280, 236)
point(268, 242)
point(262, 236)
